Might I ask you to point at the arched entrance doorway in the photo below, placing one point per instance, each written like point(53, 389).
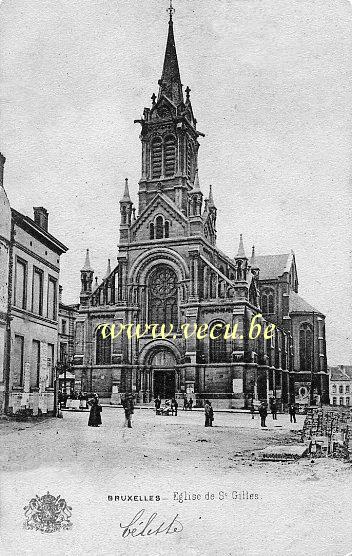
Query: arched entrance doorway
point(163, 364)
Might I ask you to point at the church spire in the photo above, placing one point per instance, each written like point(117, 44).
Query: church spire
point(241, 253)
point(87, 265)
point(170, 82)
point(126, 193)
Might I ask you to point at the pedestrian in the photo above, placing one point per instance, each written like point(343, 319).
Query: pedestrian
point(190, 404)
point(252, 409)
point(207, 407)
point(157, 403)
point(274, 409)
point(292, 412)
point(174, 406)
point(129, 410)
point(263, 412)
point(95, 412)
point(185, 403)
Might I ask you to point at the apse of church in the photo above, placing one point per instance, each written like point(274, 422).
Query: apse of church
point(170, 271)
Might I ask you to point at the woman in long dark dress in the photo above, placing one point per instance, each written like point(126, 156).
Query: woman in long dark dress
point(95, 412)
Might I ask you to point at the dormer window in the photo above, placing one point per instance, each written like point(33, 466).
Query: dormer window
point(159, 228)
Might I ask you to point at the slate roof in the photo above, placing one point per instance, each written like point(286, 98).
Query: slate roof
point(272, 266)
point(300, 305)
point(341, 373)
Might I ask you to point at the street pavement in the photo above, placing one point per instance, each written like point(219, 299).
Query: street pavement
point(239, 506)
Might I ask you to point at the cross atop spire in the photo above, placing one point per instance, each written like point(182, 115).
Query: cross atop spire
point(171, 10)
point(170, 82)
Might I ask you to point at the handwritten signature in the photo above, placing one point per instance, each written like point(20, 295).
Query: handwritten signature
point(148, 526)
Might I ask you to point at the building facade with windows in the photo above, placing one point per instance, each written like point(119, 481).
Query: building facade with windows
point(170, 271)
point(340, 385)
point(281, 304)
point(66, 328)
point(31, 273)
point(5, 250)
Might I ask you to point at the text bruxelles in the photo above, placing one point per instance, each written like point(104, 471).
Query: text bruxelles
point(199, 331)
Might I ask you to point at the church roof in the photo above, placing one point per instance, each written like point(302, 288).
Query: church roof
point(300, 305)
point(170, 82)
point(273, 266)
point(343, 372)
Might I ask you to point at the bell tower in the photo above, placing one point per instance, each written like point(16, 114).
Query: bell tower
point(169, 136)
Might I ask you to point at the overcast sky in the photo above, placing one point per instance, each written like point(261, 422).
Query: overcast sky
point(271, 89)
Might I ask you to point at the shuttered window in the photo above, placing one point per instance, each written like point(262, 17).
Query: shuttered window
point(35, 364)
point(37, 299)
point(20, 289)
point(52, 298)
point(156, 157)
point(18, 361)
point(170, 155)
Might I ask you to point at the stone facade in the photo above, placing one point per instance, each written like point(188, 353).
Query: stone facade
point(170, 271)
point(5, 253)
point(30, 265)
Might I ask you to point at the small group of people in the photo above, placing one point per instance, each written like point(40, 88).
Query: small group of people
point(74, 400)
point(170, 406)
point(263, 411)
point(187, 404)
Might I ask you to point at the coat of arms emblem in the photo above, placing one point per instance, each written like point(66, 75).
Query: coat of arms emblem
point(47, 514)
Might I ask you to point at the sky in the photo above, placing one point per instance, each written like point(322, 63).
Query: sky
point(270, 86)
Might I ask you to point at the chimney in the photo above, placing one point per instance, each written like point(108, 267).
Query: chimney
point(41, 217)
point(2, 164)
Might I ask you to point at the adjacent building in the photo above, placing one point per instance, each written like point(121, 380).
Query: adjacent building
point(281, 304)
point(340, 385)
point(170, 271)
point(32, 274)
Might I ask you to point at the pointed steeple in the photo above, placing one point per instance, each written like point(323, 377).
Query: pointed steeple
point(196, 186)
point(211, 199)
point(170, 82)
point(126, 195)
point(87, 265)
point(95, 284)
point(241, 252)
point(253, 255)
point(108, 270)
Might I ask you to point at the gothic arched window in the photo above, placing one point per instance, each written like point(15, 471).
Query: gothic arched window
point(268, 302)
point(103, 348)
point(156, 157)
point(159, 227)
point(217, 344)
point(151, 230)
point(162, 296)
point(170, 155)
point(306, 347)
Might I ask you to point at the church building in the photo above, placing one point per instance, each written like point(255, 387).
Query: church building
point(170, 271)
